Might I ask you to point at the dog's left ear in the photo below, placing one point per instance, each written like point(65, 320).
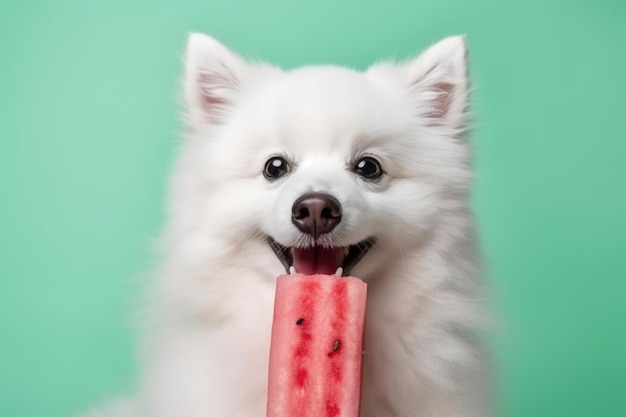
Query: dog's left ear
point(435, 83)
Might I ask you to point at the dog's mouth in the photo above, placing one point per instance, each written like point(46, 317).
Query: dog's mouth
point(320, 259)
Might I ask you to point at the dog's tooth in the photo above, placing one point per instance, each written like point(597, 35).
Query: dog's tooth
point(339, 272)
point(292, 270)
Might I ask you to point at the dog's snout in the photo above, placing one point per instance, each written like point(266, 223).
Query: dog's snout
point(316, 213)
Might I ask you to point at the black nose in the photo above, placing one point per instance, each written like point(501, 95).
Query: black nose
point(316, 213)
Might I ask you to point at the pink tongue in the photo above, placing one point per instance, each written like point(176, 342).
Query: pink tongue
point(317, 260)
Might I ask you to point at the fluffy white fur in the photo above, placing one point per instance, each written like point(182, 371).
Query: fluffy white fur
point(206, 348)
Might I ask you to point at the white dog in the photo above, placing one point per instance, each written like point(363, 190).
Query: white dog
point(319, 168)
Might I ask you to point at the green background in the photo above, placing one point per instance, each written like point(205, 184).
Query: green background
point(89, 123)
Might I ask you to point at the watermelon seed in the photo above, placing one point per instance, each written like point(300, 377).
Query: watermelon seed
point(300, 321)
point(336, 347)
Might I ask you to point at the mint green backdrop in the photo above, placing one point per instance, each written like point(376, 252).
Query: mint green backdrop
point(89, 122)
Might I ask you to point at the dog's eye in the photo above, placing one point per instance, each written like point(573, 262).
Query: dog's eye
point(275, 168)
point(368, 168)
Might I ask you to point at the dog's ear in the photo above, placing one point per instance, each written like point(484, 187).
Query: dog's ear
point(435, 83)
point(212, 79)
point(439, 75)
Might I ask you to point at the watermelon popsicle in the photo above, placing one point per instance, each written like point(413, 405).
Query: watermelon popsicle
point(316, 349)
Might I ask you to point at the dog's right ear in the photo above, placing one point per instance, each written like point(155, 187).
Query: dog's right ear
point(212, 80)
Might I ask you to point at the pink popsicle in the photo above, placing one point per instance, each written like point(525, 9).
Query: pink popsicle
point(316, 347)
